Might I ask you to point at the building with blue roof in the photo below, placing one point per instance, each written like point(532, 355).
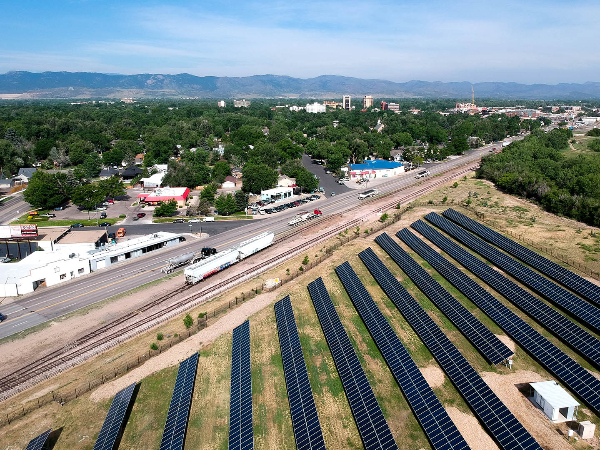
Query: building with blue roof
point(375, 168)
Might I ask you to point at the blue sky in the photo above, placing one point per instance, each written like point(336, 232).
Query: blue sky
point(529, 42)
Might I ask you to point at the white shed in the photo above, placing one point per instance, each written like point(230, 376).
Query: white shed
point(556, 403)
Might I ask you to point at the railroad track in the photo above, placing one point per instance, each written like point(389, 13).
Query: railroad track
point(118, 330)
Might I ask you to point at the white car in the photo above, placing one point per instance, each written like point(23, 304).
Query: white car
point(194, 221)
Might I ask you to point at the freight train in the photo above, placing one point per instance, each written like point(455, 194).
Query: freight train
point(187, 258)
point(213, 264)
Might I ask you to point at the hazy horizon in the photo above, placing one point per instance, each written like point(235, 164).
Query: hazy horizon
point(538, 42)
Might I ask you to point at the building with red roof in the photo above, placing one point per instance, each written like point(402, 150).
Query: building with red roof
point(179, 194)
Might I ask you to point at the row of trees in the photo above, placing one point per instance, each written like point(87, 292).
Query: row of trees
point(538, 168)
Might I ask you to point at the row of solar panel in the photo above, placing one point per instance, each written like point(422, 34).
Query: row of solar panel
point(571, 373)
point(579, 339)
point(439, 428)
point(241, 435)
point(576, 283)
point(576, 306)
point(496, 417)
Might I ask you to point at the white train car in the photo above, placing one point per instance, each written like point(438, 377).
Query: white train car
point(255, 244)
point(179, 261)
point(213, 264)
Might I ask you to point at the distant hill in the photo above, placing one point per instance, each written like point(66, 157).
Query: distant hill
point(86, 85)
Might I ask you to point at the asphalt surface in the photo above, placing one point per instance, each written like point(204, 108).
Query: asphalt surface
point(326, 180)
point(50, 302)
point(212, 228)
point(13, 208)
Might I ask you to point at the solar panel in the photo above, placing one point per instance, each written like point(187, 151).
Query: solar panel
point(508, 432)
point(114, 419)
point(241, 435)
point(568, 371)
point(38, 442)
point(576, 283)
point(173, 436)
point(570, 332)
point(305, 420)
point(372, 427)
point(494, 350)
point(439, 428)
point(566, 300)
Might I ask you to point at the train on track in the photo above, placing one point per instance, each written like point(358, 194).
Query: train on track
point(215, 263)
point(187, 258)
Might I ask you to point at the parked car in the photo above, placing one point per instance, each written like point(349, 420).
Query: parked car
point(77, 225)
point(105, 203)
point(103, 215)
point(105, 224)
point(332, 194)
point(318, 212)
point(2, 317)
point(135, 218)
point(58, 208)
point(209, 219)
point(111, 202)
point(194, 221)
point(101, 208)
point(179, 221)
point(140, 215)
point(121, 232)
point(48, 215)
point(112, 236)
point(6, 259)
point(33, 213)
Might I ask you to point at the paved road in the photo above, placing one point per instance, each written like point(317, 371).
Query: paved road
point(13, 208)
point(138, 229)
point(52, 302)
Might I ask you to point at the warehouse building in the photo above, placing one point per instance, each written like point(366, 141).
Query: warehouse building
point(376, 168)
point(132, 248)
point(277, 194)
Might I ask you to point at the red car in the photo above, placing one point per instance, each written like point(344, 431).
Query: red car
point(140, 215)
point(111, 202)
point(318, 212)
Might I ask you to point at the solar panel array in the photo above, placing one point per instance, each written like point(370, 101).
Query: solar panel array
point(580, 285)
point(372, 427)
point(568, 371)
point(581, 340)
point(241, 435)
point(568, 301)
point(177, 417)
point(38, 442)
point(430, 413)
point(496, 417)
point(494, 350)
point(307, 429)
point(114, 419)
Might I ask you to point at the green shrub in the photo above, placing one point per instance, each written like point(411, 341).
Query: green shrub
point(188, 321)
point(122, 216)
point(160, 336)
point(305, 260)
point(384, 217)
point(153, 346)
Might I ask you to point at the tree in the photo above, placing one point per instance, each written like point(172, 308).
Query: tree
point(402, 139)
point(306, 179)
point(112, 187)
point(203, 207)
point(113, 157)
point(209, 192)
point(87, 196)
point(92, 165)
point(225, 204)
point(59, 157)
point(258, 177)
point(188, 321)
point(166, 209)
point(220, 171)
point(45, 191)
point(42, 148)
point(160, 148)
point(129, 148)
point(594, 145)
point(241, 200)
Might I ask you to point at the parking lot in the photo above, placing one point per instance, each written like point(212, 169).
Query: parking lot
point(326, 180)
point(264, 208)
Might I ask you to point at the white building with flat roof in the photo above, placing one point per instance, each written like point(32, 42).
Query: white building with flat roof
point(277, 194)
point(556, 403)
point(315, 108)
point(346, 103)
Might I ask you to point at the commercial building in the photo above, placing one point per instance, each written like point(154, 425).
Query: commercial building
point(376, 168)
point(346, 103)
point(179, 194)
point(153, 181)
point(241, 103)
point(556, 403)
point(221, 104)
point(131, 248)
point(367, 101)
point(331, 103)
point(277, 194)
point(393, 107)
point(316, 108)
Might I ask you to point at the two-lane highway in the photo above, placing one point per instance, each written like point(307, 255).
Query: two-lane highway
point(52, 302)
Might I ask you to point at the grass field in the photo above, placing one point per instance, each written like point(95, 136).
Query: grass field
point(46, 222)
point(209, 416)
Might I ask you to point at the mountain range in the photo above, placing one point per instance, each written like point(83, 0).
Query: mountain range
point(30, 85)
